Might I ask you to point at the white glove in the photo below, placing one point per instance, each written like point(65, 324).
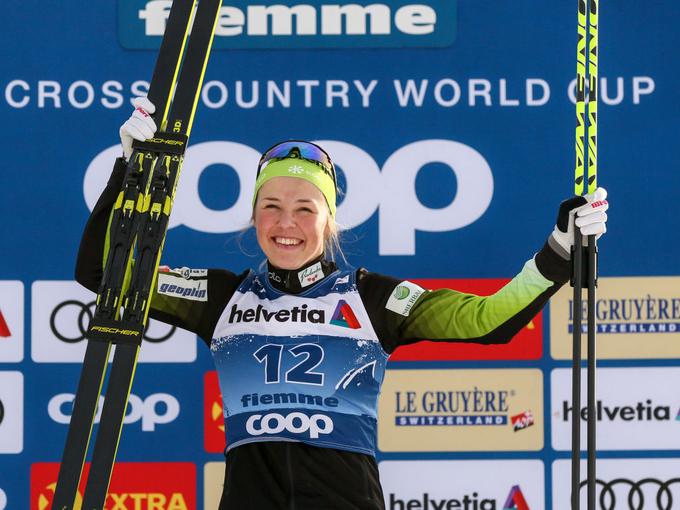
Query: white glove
point(586, 212)
point(140, 126)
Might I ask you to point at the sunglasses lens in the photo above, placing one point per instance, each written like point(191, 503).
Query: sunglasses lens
point(302, 150)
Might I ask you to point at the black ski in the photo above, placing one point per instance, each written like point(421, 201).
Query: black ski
point(122, 234)
point(168, 146)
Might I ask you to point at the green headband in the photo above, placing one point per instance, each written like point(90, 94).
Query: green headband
point(302, 169)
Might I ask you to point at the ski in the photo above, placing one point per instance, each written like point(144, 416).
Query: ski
point(169, 146)
point(122, 234)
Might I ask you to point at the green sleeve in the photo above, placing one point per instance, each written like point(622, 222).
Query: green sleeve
point(456, 316)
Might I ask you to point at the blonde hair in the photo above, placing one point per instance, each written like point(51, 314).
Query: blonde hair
point(331, 243)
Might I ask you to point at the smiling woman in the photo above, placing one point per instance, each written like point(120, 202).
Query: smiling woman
point(294, 204)
point(301, 347)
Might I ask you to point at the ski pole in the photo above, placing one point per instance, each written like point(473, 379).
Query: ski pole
point(577, 261)
point(584, 55)
point(592, 245)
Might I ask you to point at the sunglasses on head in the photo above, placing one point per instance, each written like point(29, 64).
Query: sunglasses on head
point(298, 149)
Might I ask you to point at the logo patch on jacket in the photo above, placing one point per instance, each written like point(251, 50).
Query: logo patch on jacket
point(184, 272)
point(178, 286)
point(403, 297)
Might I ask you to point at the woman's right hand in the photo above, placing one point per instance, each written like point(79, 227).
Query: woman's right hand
point(140, 126)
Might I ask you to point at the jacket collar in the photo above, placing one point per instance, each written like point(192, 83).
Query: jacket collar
point(295, 281)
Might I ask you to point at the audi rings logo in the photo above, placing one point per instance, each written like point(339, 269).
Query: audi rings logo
point(74, 311)
point(62, 311)
point(643, 494)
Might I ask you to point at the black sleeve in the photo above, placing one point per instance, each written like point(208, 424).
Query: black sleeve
point(199, 317)
point(90, 261)
point(375, 289)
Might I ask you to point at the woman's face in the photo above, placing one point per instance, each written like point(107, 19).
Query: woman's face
point(291, 219)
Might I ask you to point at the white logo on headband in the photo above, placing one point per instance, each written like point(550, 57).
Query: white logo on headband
point(295, 169)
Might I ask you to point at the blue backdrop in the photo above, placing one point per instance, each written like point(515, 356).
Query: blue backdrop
point(495, 82)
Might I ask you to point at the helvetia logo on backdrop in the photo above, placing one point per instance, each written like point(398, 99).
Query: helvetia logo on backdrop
point(463, 485)
point(303, 24)
point(474, 501)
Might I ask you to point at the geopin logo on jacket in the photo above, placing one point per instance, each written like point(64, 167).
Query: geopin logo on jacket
point(308, 24)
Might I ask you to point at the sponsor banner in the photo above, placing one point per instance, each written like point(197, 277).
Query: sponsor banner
point(637, 317)
point(637, 408)
point(308, 24)
point(370, 186)
point(478, 484)
point(11, 412)
point(11, 321)
point(213, 481)
point(134, 486)
point(213, 415)
point(61, 313)
point(622, 483)
point(150, 412)
point(461, 410)
point(527, 344)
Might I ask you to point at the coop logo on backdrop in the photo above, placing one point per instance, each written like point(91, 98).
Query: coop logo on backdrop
point(152, 411)
point(487, 409)
point(303, 24)
point(471, 485)
point(61, 313)
point(11, 412)
point(391, 190)
point(11, 321)
point(636, 409)
point(134, 486)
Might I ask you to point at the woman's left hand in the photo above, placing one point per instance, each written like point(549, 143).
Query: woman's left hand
point(586, 212)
